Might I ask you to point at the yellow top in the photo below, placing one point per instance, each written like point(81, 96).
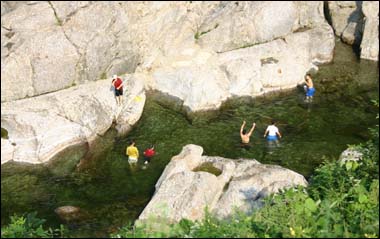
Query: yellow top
point(133, 152)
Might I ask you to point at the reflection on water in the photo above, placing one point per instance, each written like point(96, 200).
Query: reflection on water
point(114, 193)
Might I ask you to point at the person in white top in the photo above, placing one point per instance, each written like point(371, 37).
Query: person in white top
point(272, 132)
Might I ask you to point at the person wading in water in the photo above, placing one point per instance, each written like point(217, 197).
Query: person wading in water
point(245, 136)
point(272, 132)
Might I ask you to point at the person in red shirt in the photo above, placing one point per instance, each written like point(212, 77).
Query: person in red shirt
point(148, 154)
point(118, 84)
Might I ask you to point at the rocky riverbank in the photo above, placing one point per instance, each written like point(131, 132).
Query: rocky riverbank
point(54, 55)
point(40, 127)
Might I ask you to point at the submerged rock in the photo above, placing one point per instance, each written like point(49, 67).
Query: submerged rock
point(183, 191)
point(68, 213)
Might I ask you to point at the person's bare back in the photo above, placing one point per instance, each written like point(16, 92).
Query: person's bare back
point(245, 137)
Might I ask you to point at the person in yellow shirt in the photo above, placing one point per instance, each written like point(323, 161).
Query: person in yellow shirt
point(132, 152)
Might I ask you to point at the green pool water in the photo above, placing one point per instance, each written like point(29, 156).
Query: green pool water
point(114, 194)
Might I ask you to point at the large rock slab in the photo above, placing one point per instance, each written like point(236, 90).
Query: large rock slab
point(310, 14)
point(370, 42)
point(250, 183)
point(198, 81)
point(38, 57)
point(236, 24)
point(7, 6)
point(55, 45)
point(185, 189)
point(322, 43)
point(203, 75)
point(203, 79)
point(277, 64)
point(347, 20)
point(40, 127)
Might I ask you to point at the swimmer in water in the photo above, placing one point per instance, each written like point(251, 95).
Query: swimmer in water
point(245, 136)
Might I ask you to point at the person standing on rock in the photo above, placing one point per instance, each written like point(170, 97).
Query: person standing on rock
point(118, 84)
point(245, 137)
point(132, 152)
point(272, 132)
point(310, 90)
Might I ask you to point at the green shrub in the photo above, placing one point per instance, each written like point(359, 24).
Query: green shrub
point(29, 226)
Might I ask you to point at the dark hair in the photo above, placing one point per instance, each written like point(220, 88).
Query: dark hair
point(113, 80)
point(131, 142)
point(244, 131)
point(273, 121)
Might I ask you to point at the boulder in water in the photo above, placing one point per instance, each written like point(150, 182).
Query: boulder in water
point(68, 213)
point(185, 187)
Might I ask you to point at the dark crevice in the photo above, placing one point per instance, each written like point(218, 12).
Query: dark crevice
point(352, 18)
point(6, 28)
point(283, 38)
point(10, 34)
point(226, 186)
point(208, 167)
point(9, 45)
point(59, 21)
point(327, 13)
point(359, 29)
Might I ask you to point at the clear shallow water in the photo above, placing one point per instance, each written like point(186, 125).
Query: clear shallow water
point(114, 194)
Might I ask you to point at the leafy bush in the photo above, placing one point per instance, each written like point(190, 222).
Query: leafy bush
point(29, 226)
